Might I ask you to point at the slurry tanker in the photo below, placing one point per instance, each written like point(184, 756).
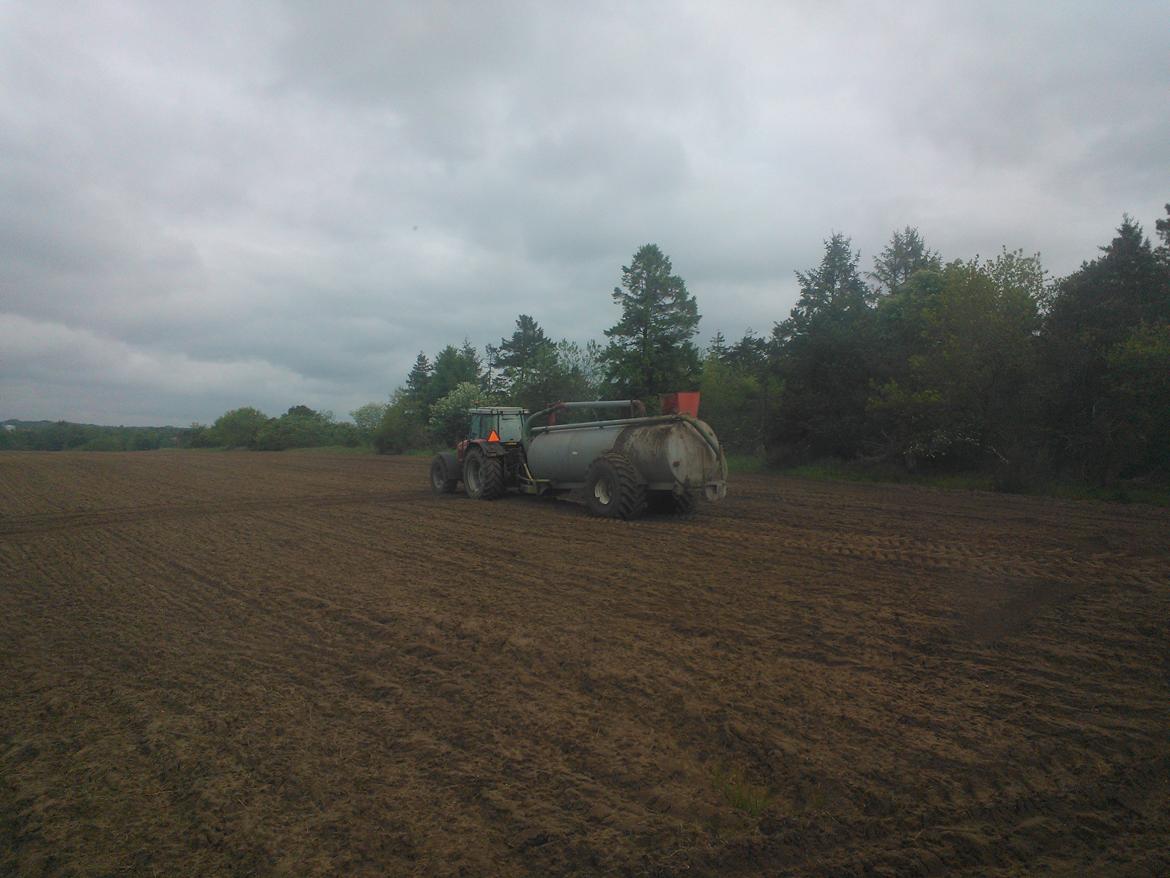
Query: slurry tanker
point(619, 466)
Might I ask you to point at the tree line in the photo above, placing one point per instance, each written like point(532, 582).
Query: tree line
point(67, 436)
point(986, 364)
point(299, 427)
point(650, 350)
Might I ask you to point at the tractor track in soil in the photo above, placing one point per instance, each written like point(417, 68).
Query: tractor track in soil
point(301, 664)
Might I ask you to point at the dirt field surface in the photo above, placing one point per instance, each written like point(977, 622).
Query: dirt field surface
point(298, 664)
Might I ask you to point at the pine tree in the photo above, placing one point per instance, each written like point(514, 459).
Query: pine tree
point(833, 290)
point(718, 347)
point(519, 356)
point(419, 379)
point(1095, 313)
point(650, 349)
point(823, 358)
point(453, 366)
point(905, 254)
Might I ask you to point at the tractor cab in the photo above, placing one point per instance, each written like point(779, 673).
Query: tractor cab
point(497, 424)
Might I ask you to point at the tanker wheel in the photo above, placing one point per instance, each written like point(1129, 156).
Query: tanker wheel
point(483, 476)
point(440, 483)
point(613, 488)
point(669, 503)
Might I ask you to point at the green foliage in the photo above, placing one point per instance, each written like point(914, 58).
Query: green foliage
point(746, 463)
point(239, 428)
point(453, 366)
point(966, 384)
point(824, 357)
point(833, 292)
point(718, 346)
point(581, 371)
point(66, 436)
point(199, 436)
point(419, 380)
point(366, 419)
point(1138, 391)
point(556, 373)
point(741, 793)
point(734, 401)
point(905, 255)
point(650, 349)
point(533, 371)
point(403, 427)
point(1163, 229)
point(983, 372)
point(448, 423)
point(299, 427)
point(525, 355)
point(1092, 312)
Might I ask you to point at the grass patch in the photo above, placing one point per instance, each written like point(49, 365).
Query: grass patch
point(422, 452)
point(842, 471)
point(740, 793)
point(746, 463)
point(1150, 494)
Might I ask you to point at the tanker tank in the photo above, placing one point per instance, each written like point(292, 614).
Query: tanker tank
point(675, 453)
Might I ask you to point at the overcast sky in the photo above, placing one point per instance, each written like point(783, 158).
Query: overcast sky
point(209, 205)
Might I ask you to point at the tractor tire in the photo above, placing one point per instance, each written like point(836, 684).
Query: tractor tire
point(613, 488)
point(483, 476)
point(441, 482)
point(669, 503)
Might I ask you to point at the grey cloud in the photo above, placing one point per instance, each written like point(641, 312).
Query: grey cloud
point(268, 203)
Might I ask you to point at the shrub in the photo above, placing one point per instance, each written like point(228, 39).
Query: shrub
point(239, 427)
point(402, 428)
point(449, 415)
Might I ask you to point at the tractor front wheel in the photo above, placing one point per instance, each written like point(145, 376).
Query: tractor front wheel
point(441, 483)
point(613, 488)
point(483, 476)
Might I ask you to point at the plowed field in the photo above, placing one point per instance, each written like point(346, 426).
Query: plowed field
point(296, 664)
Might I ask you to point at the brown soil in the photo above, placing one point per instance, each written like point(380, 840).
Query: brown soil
point(291, 664)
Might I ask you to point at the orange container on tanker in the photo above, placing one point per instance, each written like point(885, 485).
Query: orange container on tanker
point(683, 403)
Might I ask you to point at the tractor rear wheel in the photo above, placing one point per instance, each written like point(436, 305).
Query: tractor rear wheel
point(613, 488)
point(441, 483)
point(483, 476)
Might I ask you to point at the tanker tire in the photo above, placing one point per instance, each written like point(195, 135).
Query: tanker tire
point(440, 483)
point(684, 504)
point(669, 503)
point(483, 476)
point(613, 488)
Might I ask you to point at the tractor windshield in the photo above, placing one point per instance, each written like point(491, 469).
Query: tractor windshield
point(510, 427)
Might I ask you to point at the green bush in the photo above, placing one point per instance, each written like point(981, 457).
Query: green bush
point(402, 428)
point(301, 427)
point(449, 415)
point(239, 428)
